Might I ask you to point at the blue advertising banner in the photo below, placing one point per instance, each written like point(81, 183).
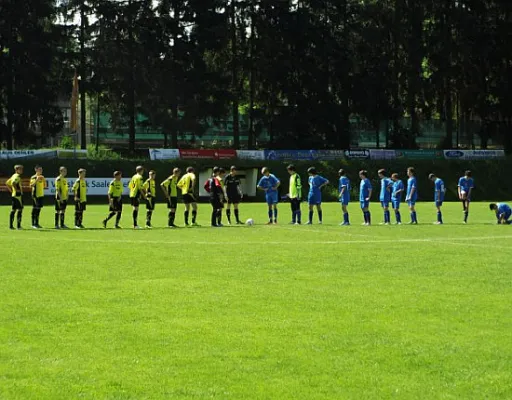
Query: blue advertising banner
point(382, 154)
point(290, 155)
point(363, 153)
point(473, 154)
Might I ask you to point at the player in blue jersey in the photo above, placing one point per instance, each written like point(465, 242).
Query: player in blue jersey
point(503, 212)
point(365, 193)
point(269, 184)
point(344, 195)
point(316, 183)
point(386, 185)
point(439, 191)
point(412, 194)
point(396, 196)
point(465, 187)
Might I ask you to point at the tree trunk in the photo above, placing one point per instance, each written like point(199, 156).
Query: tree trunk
point(131, 82)
point(10, 91)
point(234, 77)
point(175, 131)
point(449, 112)
point(250, 137)
point(83, 74)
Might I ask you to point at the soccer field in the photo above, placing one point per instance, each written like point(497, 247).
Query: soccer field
point(261, 312)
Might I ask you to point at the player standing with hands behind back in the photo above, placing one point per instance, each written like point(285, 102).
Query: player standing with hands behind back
point(187, 184)
point(115, 193)
point(233, 186)
point(170, 188)
point(14, 186)
point(37, 184)
point(269, 184)
point(136, 186)
point(150, 190)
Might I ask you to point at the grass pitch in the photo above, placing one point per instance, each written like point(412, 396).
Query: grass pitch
point(262, 312)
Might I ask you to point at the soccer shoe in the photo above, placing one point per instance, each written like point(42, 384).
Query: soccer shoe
point(269, 223)
point(20, 228)
point(64, 227)
point(104, 222)
point(82, 227)
point(117, 227)
point(220, 225)
point(137, 227)
point(195, 224)
point(292, 223)
point(239, 223)
point(275, 222)
point(309, 223)
point(35, 227)
point(320, 222)
point(148, 226)
point(11, 228)
point(399, 223)
point(57, 227)
point(438, 223)
point(77, 227)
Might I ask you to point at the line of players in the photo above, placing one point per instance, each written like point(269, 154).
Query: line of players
point(391, 193)
point(228, 190)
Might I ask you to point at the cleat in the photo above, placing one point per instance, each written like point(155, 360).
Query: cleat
point(64, 227)
point(117, 227)
point(104, 223)
point(57, 227)
point(275, 222)
point(137, 227)
point(82, 227)
point(195, 224)
point(292, 223)
point(297, 223)
point(239, 223)
point(309, 223)
point(11, 228)
point(19, 228)
point(35, 227)
point(149, 226)
point(438, 223)
point(269, 223)
point(77, 227)
point(319, 222)
point(220, 225)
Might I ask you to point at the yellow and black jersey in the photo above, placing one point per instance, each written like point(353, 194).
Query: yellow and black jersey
point(80, 190)
point(61, 188)
point(38, 184)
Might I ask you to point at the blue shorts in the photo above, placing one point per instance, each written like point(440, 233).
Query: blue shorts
point(396, 204)
point(272, 198)
point(411, 203)
point(384, 203)
point(344, 202)
point(364, 204)
point(439, 203)
point(314, 200)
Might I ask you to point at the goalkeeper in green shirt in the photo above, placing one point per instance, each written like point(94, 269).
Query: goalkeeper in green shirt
point(295, 194)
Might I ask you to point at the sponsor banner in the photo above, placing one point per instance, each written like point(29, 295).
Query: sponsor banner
point(420, 154)
point(196, 154)
point(250, 154)
point(329, 155)
point(291, 155)
point(24, 154)
point(473, 154)
point(357, 153)
point(164, 154)
point(95, 186)
point(72, 154)
point(381, 154)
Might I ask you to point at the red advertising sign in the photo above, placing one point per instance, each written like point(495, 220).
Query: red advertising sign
point(195, 154)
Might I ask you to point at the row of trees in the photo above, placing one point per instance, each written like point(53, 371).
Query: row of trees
point(300, 68)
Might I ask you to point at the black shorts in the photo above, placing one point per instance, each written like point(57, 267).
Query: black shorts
point(116, 205)
point(189, 198)
point(216, 204)
point(38, 202)
point(234, 199)
point(17, 203)
point(80, 206)
point(61, 205)
point(172, 202)
point(135, 201)
point(150, 203)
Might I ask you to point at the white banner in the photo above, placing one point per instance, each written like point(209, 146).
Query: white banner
point(95, 186)
point(164, 154)
point(473, 154)
point(250, 154)
point(20, 154)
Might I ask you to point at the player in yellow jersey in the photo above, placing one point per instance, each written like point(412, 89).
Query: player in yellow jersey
point(37, 186)
point(150, 190)
point(115, 193)
point(137, 193)
point(187, 185)
point(15, 187)
point(61, 198)
point(170, 188)
point(80, 191)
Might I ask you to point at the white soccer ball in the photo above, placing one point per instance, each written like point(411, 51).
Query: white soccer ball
point(249, 222)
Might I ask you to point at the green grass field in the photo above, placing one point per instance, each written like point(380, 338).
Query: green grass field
point(262, 312)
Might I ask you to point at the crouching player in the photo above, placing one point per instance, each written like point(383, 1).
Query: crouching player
point(344, 195)
point(503, 212)
point(115, 193)
point(396, 196)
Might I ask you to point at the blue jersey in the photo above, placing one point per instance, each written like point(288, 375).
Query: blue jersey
point(268, 182)
point(314, 184)
point(344, 182)
point(364, 189)
point(385, 189)
point(439, 190)
point(398, 189)
point(466, 183)
point(504, 210)
point(411, 183)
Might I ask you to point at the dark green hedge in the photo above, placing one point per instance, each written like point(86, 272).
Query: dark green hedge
point(491, 177)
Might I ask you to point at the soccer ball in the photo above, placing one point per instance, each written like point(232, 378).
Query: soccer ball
point(249, 222)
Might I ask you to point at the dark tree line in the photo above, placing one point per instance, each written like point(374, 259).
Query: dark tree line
point(299, 68)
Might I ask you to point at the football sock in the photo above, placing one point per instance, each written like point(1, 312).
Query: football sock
point(214, 217)
point(34, 216)
point(148, 217)
point(118, 218)
point(11, 219)
point(310, 217)
point(387, 217)
point(219, 217)
point(135, 215)
point(57, 216)
point(398, 216)
point(439, 217)
point(320, 215)
point(20, 215)
point(345, 218)
point(62, 216)
point(228, 215)
point(466, 214)
point(186, 217)
point(275, 214)
point(270, 215)
point(194, 216)
point(237, 215)
point(110, 216)
point(299, 216)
